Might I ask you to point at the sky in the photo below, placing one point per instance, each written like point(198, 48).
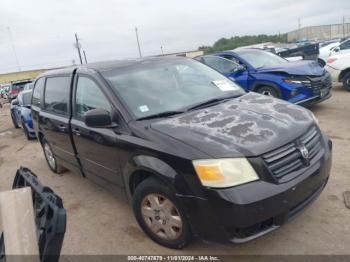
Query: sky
point(41, 32)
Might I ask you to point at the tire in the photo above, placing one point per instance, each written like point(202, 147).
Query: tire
point(154, 203)
point(346, 81)
point(51, 158)
point(321, 62)
point(15, 124)
point(268, 91)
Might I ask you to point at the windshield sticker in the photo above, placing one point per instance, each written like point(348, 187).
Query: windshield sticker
point(143, 108)
point(224, 85)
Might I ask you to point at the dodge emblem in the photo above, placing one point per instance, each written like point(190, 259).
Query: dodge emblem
point(305, 154)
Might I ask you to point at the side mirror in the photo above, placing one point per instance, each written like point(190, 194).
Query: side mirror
point(98, 118)
point(337, 49)
point(15, 102)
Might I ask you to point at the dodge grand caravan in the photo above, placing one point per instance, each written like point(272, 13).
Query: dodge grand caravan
point(195, 154)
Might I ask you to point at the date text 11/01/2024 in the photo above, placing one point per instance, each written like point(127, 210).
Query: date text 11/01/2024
point(174, 258)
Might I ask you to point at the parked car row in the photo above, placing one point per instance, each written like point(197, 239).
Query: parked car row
point(193, 152)
point(10, 91)
point(331, 54)
point(21, 114)
point(299, 82)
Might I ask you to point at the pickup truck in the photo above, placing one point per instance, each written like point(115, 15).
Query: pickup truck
point(194, 154)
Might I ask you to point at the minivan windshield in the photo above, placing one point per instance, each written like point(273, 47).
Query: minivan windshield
point(258, 58)
point(165, 86)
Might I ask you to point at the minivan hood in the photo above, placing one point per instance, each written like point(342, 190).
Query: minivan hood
point(250, 125)
point(309, 68)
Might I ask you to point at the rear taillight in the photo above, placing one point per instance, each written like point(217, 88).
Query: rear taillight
point(330, 60)
point(13, 92)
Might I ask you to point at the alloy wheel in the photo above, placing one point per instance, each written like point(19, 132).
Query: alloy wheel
point(49, 156)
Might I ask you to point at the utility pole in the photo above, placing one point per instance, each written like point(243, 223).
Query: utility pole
point(78, 46)
point(299, 27)
point(13, 48)
point(161, 48)
point(85, 56)
point(138, 42)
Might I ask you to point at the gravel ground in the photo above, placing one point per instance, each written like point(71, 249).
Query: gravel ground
point(99, 223)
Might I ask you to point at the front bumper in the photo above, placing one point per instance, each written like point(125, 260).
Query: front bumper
point(31, 131)
point(245, 212)
point(314, 99)
point(334, 72)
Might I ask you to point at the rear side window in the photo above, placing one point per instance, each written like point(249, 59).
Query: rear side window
point(57, 90)
point(38, 90)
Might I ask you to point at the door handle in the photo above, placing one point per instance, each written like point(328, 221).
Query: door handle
point(76, 131)
point(62, 128)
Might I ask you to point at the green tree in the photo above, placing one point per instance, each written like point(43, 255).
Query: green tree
point(238, 41)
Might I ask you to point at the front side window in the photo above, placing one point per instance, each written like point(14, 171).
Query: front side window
point(38, 90)
point(89, 96)
point(259, 58)
point(220, 64)
point(57, 91)
point(345, 45)
point(163, 85)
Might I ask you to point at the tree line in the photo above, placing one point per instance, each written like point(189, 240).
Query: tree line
point(238, 41)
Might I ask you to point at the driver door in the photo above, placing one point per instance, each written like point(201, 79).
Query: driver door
point(98, 149)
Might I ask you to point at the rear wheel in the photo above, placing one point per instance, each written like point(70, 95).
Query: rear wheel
point(346, 81)
point(51, 158)
point(160, 215)
point(268, 91)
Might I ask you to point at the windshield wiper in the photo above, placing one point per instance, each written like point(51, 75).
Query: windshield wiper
point(211, 102)
point(162, 114)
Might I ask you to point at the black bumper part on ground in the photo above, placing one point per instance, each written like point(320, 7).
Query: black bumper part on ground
point(50, 216)
point(245, 212)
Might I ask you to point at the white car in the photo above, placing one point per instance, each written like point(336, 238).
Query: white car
point(331, 49)
point(338, 65)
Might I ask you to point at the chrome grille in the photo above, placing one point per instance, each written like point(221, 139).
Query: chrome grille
point(288, 158)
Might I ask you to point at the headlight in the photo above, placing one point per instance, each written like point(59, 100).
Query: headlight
point(314, 117)
point(225, 172)
point(297, 81)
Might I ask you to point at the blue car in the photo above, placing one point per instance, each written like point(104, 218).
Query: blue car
point(299, 82)
point(21, 113)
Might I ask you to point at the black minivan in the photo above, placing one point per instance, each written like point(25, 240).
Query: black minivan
point(195, 154)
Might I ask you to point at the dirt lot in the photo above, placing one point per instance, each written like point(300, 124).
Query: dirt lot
point(98, 223)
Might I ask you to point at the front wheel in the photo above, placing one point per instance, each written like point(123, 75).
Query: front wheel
point(15, 124)
point(160, 215)
point(268, 91)
point(25, 130)
point(51, 158)
point(346, 81)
